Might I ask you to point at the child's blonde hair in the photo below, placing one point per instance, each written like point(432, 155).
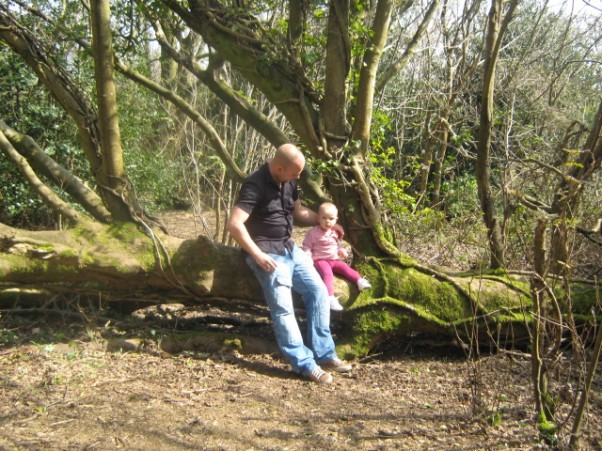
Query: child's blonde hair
point(325, 206)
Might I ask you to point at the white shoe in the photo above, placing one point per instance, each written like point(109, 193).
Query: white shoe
point(319, 376)
point(334, 303)
point(362, 284)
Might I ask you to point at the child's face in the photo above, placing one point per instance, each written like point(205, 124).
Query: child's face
point(327, 218)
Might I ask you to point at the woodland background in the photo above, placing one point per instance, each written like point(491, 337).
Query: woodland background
point(465, 134)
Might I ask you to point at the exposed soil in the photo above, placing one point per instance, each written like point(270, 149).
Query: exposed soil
point(68, 384)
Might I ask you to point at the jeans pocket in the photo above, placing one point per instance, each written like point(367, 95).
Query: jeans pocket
point(279, 297)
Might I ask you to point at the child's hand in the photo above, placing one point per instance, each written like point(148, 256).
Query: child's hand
point(343, 252)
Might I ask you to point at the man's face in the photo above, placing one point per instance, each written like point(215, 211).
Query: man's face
point(290, 172)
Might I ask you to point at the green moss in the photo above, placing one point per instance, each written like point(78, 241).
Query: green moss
point(430, 296)
point(147, 260)
point(494, 419)
point(407, 261)
point(547, 429)
point(17, 267)
point(84, 232)
point(493, 295)
point(68, 254)
point(497, 272)
point(20, 265)
point(584, 298)
point(514, 317)
point(233, 343)
point(371, 326)
point(406, 299)
point(125, 231)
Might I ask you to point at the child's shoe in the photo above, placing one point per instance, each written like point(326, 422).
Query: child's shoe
point(334, 303)
point(362, 284)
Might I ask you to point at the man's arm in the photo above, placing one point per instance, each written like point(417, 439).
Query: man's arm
point(238, 231)
point(304, 215)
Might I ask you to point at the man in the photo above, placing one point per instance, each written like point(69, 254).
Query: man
point(261, 221)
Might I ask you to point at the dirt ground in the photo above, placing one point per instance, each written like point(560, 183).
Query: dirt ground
point(106, 383)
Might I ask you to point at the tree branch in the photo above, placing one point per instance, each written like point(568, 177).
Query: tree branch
point(236, 102)
point(216, 142)
point(58, 83)
point(274, 74)
point(45, 165)
point(393, 69)
point(48, 196)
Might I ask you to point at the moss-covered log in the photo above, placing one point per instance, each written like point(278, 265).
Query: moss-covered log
point(408, 298)
point(119, 262)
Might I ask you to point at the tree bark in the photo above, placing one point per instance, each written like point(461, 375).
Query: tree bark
point(237, 103)
point(495, 32)
point(112, 170)
point(244, 48)
point(117, 263)
point(338, 63)
point(48, 196)
point(367, 83)
point(46, 166)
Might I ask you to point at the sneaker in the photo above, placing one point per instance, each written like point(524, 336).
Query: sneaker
point(319, 376)
point(362, 284)
point(334, 303)
point(338, 365)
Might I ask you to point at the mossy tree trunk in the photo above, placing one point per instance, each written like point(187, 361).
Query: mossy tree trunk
point(115, 263)
point(112, 176)
point(119, 262)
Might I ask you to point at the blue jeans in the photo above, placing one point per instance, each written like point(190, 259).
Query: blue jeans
point(296, 272)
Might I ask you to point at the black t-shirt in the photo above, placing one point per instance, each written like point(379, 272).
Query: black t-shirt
point(270, 209)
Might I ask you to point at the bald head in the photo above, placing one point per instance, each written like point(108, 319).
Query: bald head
point(287, 164)
point(288, 154)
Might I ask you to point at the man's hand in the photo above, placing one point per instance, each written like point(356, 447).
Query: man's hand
point(238, 231)
point(339, 230)
point(265, 262)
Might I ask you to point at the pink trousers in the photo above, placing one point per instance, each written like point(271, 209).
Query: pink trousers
point(328, 268)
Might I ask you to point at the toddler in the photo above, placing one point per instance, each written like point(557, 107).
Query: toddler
point(322, 243)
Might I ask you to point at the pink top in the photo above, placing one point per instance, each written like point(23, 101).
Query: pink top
point(323, 244)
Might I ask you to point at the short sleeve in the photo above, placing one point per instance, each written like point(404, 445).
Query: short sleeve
point(248, 197)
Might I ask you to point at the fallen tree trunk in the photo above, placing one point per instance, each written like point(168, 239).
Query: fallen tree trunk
point(119, 263)
point(107, 261)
